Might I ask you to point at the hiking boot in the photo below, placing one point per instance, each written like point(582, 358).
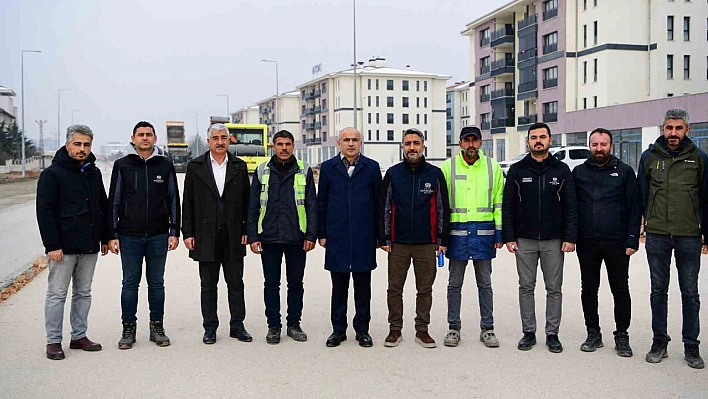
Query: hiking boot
point(527, 341)
point(85, 344)
point(273, 336)
point(622, 344)
point(553, 344)
point(424, 339)
point(296, 333)
point(657, 351)
point(157, 334)
point(127, 338)
point(55, 352)
point(693, 356)
point(488, 338)
point(593, 341)
point(393, 339)
point(452, 338)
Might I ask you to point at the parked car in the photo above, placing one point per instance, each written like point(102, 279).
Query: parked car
point(572, 155)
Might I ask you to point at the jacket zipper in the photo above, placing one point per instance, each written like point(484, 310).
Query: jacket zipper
point(412, 206)
point(541, 182)
point(147, 198)
point(594, 189)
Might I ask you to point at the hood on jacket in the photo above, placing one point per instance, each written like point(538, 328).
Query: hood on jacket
point(62, 158)
point(662, 146)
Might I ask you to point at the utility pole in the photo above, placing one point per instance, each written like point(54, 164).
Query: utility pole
point(41, 139)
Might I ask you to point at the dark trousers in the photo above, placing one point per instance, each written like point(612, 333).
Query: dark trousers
point(591, 254)
point(424, 268)
point(687, 251)
point(133, 249)
point(272, 258)
point(233, 274)
point(362, 301)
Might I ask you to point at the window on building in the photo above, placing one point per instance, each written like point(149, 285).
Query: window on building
point(484, 37)
point(687, 67)
point(484, 65)
point(595, 33)
point(425, 85)
point(670, 28)
point(580, 138)
point(686, 29)
point(377, 101)
point(669, 66)
point(389, 84)
point(585, 103)
point(425, 102)
point(585, 36)
point(377, 118)
point(594, 101)
point(324, 120)
point(550, 111)
point(628, 145)
point(550, 77)
point(417, 85)
point(594, 3)
point(550, 43)
point(585, 5)
point(368, 102)
point(389, 118)
point(369, 134)
point(487, 147)
point(585, 71)
point(404, 118)
point(417, 102)
point(405, 102)
point(389, 101)
point(425, 119)
point(594, 74)
point(404, 85)
point(368, 84)
point(485, 94)
point(377, 86)
point(389, 135)
point(377, 136)
point(449, 125)
point(501, 150)
point(417, 119)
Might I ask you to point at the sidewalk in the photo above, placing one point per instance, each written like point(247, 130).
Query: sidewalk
point(189, 368)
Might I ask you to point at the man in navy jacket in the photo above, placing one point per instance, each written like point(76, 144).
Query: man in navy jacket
point(347, 202)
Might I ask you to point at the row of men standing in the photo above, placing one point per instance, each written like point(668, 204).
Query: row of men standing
point(353, 215)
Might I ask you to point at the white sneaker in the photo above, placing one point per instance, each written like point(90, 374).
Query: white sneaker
point(489, 339)
point(452, 338)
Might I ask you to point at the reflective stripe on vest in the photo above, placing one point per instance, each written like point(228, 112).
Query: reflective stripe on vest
point(454, 177)
point(300, 181)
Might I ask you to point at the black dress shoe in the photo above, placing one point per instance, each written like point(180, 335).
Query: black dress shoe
point(209, 337)
point(335, 339)
point(365, 340)
point(527, 342)
point(241, 334)
point(553, 343)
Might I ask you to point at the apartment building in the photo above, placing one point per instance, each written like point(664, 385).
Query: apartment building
point(8, 110)
point(388, 101)
point(548, 60)
point(460, 107)
point(246, 116)
point(280, 113)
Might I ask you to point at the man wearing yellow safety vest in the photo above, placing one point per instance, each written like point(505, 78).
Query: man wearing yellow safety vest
point(475, 183)
point(282, 220)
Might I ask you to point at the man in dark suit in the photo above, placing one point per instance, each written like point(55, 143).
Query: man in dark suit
point(347, 202)
point(216, 190)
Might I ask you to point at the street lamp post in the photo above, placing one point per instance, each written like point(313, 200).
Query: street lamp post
point(228, 113)
point(354, 23)
point(22, 62)
point(59, 111)
point(277, 95)
point(196, 130)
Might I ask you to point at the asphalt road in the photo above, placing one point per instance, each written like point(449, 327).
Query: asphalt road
point(230, 368)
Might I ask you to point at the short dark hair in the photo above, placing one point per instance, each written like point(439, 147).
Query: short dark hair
point(603, 131)
point(143, 124)
point(285, 135)
point(538, 125)
point(413, 131)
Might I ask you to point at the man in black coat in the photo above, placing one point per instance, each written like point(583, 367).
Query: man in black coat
point(71, 204)
point(215, 204)
point(610, 212)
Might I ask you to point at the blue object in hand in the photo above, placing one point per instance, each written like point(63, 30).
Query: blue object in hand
point(441, 259)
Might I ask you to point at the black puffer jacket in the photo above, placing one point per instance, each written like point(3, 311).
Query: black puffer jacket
point(609, 202)
point(539, 201)
point(72, 206)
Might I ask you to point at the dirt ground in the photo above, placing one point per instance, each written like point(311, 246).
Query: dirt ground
point(17, 192)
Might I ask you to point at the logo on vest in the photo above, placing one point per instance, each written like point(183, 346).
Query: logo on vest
point(689, 160)
point(427, 189)
point(555, 181)
point(614, 174)
point(158, 179)
point(527, 180)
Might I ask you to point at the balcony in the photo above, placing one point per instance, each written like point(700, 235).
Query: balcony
point(483, 98)
point(310, 126)
point(317, 93)
point(265, 110)
point(529, 21)
point(484, 69)
point(548, 83)
point(485, 125)
point(502, 93)
point(317, 109)
point(528, 54)
point(318, 125)
point(502, 66)
point(309, 111)
point(529, 86)
point(528, 119)
point(503, 35)
point(313, 140)
point(310, 95)
point(324, 108)
point(553, 117)
point(548, 14)
point(484, 41)
point(551, 48)
point(503, 122)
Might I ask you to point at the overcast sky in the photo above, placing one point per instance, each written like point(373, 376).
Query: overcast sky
point(159, 60)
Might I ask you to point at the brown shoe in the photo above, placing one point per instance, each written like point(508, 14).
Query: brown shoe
point(55, 352)
point(85, 344)
point(424, 339)
point(394, 338)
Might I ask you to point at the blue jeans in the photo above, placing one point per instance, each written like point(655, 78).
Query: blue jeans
point(687, 251)
point(132, 251)
point(272, 258)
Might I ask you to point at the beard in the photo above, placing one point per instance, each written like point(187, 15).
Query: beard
point(539, 151)
point(470, 153)
point(413, 157)
point(600, 157)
